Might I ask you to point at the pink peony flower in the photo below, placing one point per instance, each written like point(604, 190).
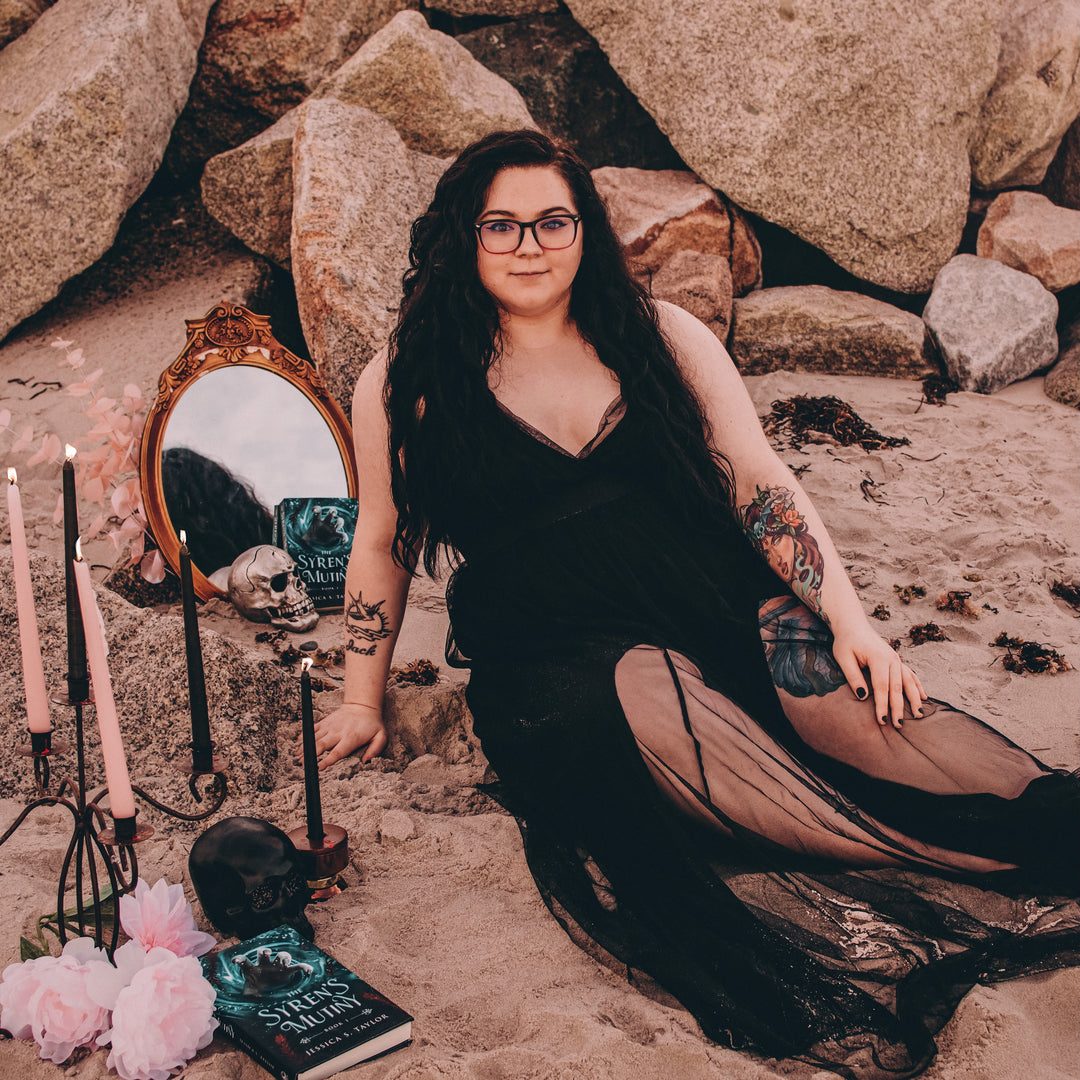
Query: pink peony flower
point(47, 1000)
point(161, 1019)
point(160, 916)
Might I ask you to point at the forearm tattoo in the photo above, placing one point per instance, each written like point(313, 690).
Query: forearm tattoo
point(779, 533)
point(364, 622)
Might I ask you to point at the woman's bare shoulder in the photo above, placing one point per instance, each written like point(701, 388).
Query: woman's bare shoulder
point(697, 349)
point(367, 402)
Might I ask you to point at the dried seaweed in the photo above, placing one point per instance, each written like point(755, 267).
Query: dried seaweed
point(927, 632)
point(894, 644)
point(795, 418)
point(418, 673)
point(1068, 592)
point(907, 593)
point(958, 600)
point(936, 387)
point(881, 612)
point(1030, 657)
point(288, 655)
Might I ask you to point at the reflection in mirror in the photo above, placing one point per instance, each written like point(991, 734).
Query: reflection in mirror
point(240, 423)
point(240, 440)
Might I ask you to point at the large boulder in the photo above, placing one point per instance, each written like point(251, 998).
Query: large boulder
point(571, 90)
point(437, 96)
point(656, 213)
point(1035, 96)
point(90, 95)
point(261, 58)
point(431, 89)
point(993, 325)
point(248, 698)
point(249, 190)
point(813, 328)
point(850, 130)
point(1028, 232)
point(356, 189)
point(17, 16)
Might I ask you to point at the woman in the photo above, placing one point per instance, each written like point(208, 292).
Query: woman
point(673, 678)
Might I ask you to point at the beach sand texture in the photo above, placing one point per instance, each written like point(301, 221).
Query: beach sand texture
point(446, 920)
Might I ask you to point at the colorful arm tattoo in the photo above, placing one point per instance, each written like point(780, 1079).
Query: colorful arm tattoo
point(778, 532)
point(364, 622)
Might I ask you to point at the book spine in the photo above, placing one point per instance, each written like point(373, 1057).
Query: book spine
point(254, 1050)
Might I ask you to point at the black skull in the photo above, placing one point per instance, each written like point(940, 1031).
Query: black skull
point(248, 878)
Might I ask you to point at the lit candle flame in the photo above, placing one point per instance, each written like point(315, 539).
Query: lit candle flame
point(11, 476)
point(78, 549)
point(306, 663)
point(71, 451)
point(183, 537)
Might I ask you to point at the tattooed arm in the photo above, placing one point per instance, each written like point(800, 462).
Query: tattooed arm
point(783, 524)
point(376, 588)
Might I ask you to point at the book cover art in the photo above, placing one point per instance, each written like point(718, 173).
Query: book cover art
point(318, 534)
point(296, 1010)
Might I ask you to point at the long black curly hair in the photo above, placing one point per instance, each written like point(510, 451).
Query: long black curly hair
point(448, 335)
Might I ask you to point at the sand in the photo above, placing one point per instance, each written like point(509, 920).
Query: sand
point(440, 910)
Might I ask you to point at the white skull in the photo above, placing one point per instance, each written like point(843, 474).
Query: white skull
point(264, 587)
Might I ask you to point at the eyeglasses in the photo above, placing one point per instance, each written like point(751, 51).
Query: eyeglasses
point(501, 236)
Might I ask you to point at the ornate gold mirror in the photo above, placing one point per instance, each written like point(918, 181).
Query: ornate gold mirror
point(239, 424)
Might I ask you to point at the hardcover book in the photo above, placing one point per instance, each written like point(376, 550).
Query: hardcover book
point(318, 534)
point(298, 1012)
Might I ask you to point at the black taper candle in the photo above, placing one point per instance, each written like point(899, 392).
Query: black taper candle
point(77, 678)
point(312, 797)
point(202, 748)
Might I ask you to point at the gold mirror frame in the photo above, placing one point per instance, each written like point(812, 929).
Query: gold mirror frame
point(228, 336)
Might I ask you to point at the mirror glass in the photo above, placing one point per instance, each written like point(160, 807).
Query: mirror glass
point(236, 429)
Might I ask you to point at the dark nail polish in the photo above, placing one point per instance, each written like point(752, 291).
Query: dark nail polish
point(861, 693)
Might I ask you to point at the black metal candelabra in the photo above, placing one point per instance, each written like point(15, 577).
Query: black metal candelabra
point(102, 848)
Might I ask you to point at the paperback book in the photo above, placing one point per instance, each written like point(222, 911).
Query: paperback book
point(298, 1012)
point(318, 534)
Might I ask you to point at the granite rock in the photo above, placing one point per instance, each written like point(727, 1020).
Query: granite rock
point(1035, 96)
point(571, 90)
point(700, 283)
point(436, 95)
point(91, 93)
point(261, 58)
point(852, 134)
point(813, 328)
point(1028, 232)
point(656, 213)
point(249, 190)
point(248, 698)
point(17, 16)
point(349, 241)
point(993, 325)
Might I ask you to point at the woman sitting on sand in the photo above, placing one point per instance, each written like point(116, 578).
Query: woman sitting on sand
point(688, 711)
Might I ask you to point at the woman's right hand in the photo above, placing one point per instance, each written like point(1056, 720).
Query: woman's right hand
point(348, 729)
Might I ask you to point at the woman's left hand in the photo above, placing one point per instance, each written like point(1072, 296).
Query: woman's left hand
point(861, 651)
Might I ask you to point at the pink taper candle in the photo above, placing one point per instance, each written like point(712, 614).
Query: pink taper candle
point(121, 799)
point(37, 701)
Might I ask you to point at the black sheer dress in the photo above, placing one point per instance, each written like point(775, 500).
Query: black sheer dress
point(705, 803)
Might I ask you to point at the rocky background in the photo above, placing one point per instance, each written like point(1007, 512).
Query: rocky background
point(837, 190)
point(887, 189)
